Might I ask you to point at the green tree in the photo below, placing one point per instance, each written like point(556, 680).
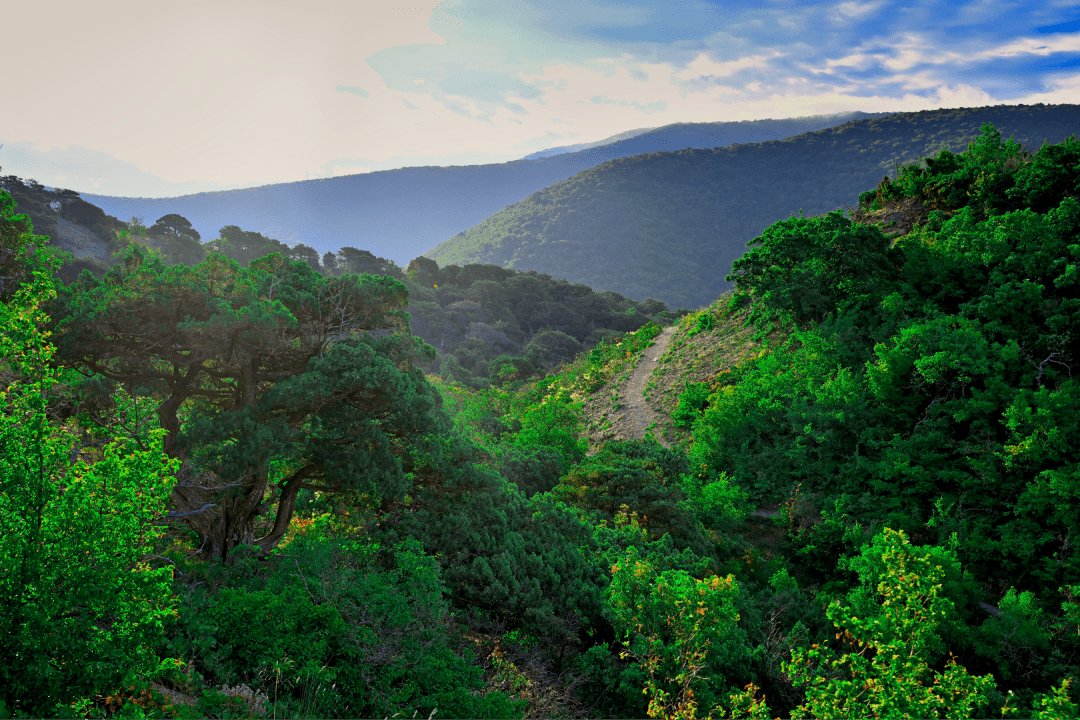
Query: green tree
point(305, 253)
point(330, 264)
point(421, 270)
point(505, 369)
point(182, 241)
point(243, 246)
point(644, 477)
point(173, 226)
point(19, 248)
point(553, 424)
point(1052, 175)
point(137, 225)
point(683, 631)
point(884, 672)
point(551, 347)
point(363, 261)
point(808, 266)
point(268, 378)
point(79, 607)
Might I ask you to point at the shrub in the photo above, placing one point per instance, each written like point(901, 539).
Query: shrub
point(341, 629)
point(692, 401)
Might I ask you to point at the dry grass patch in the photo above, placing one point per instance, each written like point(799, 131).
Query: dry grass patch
point(700, 356)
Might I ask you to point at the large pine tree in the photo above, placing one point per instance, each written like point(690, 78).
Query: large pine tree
point(269, 379)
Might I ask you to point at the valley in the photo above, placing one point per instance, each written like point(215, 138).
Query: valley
point(579, 461)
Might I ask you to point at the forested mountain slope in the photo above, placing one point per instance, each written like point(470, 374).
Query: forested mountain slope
point(669, 225)
point(398, 214)
point(481, 319)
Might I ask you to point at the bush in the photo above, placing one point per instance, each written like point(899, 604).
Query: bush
point(805, 268)
point(551, 347)
point(554, 425)
point(641, 478)
point(692, 401)
point(533, 470)
point(338, 629)
point(683, 632)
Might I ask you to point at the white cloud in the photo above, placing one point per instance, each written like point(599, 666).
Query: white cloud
point(703, 67)
point(1042, 46)
point(908, 50)
point(854, 10)
point(359, 92)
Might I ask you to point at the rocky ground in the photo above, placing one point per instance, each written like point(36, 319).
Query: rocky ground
point(80, 242)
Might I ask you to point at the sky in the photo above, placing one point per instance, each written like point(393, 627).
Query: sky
point(152, 98)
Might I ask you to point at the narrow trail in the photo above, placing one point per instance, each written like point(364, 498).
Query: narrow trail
point(641, 415)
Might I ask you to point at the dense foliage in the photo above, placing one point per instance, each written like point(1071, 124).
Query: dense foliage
point(80, 605)
point(488, 324)
point(927, 386)
point(497, 326)
point(265, 374)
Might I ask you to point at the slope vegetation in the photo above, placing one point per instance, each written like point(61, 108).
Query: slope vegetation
point(669, 225)
point(698, 349)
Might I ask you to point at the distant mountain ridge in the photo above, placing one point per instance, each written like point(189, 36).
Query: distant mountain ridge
point(668, 225)
point(682, 136)
point(563, 149)
point(400, 214)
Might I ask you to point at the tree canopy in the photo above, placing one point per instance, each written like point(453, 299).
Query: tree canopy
point(283, 361)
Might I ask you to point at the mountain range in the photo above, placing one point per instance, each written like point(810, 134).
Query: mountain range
point(681, 136)
point(668, 225)
point(400, 214)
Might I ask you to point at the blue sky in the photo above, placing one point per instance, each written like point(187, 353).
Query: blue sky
point(157, 99)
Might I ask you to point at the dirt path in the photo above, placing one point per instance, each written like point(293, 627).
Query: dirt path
point(639, 413)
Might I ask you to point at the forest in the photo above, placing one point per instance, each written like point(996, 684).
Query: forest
point(480, 318)
point(232, 485)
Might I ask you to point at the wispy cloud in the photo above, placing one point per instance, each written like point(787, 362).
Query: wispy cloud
point(359, 92)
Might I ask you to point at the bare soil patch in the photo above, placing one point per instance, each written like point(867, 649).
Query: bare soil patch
point(642, 396)
point(618, 410)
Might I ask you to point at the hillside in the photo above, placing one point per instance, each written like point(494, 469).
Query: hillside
point(399, 214)
point(689, 355)
point(669, 225)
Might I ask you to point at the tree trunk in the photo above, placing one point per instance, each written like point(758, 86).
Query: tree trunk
point(286, 504)
point(230, 521)
point(167, 410)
